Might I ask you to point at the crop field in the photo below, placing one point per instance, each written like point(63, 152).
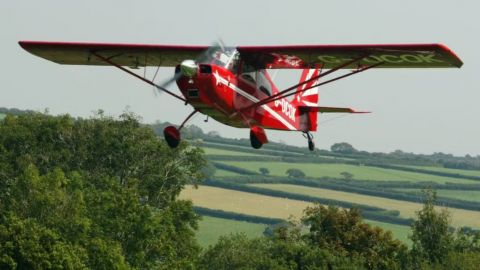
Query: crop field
point(466, 195)
point(334, 170)
point(244, 202)
point(211, 228)
point(260, 205)
point(460, 217)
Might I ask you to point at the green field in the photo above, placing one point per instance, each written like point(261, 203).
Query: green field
point(334, 170)
point(211, 228)
point(247, 203)
point(466, 195)
point(220, 172)
point(447, 170)
point(400, 232)
point(2, 115)
point(216, 151)
point(460, 217)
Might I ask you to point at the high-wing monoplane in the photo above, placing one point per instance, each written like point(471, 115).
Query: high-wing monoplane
point(233, 85)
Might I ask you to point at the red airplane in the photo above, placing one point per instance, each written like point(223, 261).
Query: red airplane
point(233, 85)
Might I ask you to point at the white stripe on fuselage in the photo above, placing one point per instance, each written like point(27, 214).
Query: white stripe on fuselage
point(254, 99)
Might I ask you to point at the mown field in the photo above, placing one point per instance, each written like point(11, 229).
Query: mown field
point(334, 170)
point(261, 205)
point(211, 228)
point(460, 217)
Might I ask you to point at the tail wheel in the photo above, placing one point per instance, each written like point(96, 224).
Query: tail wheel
point(254, 141)
point(172, 136)
point(311, 145)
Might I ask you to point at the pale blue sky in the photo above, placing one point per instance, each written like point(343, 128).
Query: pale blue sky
point(421, 111)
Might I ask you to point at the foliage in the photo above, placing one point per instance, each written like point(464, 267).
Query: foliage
point(431, 234)
point(264, 171)
point(343, 231)
point(97, 193)
point(343, 148)
point(347, 176)
point(295, 173)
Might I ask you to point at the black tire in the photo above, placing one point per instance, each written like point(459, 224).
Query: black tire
point(171, 141)
point(254, 141)
point(311, 145)
point(172, 136)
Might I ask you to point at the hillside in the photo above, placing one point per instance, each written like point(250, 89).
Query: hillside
point(107, 193)
point(387, 186)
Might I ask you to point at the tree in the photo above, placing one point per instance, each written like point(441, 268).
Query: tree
point(348, 176)
point(236, 251)
point(98, 193)
point(264, 171)
point(343, 148)
point(295, 173)
point(431, 235)
point(343, 231)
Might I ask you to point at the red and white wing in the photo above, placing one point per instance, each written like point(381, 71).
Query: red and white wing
point(130, 55)
point(332, 56)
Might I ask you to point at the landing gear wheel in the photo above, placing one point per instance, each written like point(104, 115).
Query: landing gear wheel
point(172, 136)
point(254, 141)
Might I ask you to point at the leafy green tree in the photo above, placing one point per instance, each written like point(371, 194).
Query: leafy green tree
point(295, 173)
point(348, 176)
point(431, 236)
point(236, 251)
point(102, 191)
point(264, 171)
point(343, 148)
point(343, 231)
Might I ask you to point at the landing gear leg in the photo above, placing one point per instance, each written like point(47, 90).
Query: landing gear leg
point(172, 134)
point(311, 144)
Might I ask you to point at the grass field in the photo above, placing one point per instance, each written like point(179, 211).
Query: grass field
point(211, 228)
point(220, 172)
point(460, 217)
point(400, 232)
point(447, 170)
point(260, 205)
point(216, 151)
point(466, 195)
point(334, 170)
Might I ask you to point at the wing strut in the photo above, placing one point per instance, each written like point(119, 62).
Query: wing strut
point(106, 60)
point(329, 81)
point(283, 94)
point(280, 94)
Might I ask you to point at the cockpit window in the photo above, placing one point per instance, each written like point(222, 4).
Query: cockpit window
point(227, 57)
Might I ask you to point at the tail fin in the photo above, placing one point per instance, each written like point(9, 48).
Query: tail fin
point(308, 120)
point(310, 96)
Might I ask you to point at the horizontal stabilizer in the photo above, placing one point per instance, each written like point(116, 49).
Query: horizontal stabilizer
point(328, 110)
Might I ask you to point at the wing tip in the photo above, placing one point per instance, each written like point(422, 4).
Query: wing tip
point(457, 61)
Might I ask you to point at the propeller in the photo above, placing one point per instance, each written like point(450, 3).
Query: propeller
point(189, 67)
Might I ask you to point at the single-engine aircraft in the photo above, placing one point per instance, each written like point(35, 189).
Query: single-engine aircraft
point(233, 85)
